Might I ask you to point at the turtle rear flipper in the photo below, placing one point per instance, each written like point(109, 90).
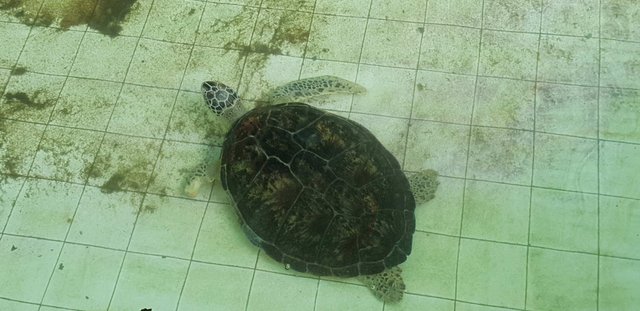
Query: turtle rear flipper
point(387, 285)
point(423, 185)
point(300, 90)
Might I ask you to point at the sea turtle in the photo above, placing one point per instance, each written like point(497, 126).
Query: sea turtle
point(316, 191)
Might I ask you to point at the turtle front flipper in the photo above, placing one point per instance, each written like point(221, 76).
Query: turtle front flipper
point(387, 285)
point(300, 90)
point(202, 175)
point(423, 185)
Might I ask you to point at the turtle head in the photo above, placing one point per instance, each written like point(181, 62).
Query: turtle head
point(220, 98)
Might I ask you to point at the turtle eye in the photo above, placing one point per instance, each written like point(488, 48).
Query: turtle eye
point(218, 96)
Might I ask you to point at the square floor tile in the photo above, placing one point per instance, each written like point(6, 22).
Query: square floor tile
point(497, 212)
point(568, 60)
point(14, 37)
point(336, 38)
point(509, 54)
point(9, 190)
point(143, 111)
point(619, 284)
point(618, 175)
point(573, 17)
point(518, 15)
point(620, 115)
point(159, 64)
point(450, 156)
point(619, 67)
point(455, 12)
point(84, 278)
point(450, 48)
point(567, 163)
point(391, 43)
point(272, 291)
point(177, 162)
point(343, 7)
point(443, 213)
point(492, 273)
point(403, 10)
point(281, 32)
point(45, 44)
point(86, 104)
point(103, 57)
point(389, 91)
point(227, 69)
point(619, 227)
point(124, 163)
point(225, 25)
point(620, 19)
point(431, 267)
point(564, 220)
point(66, 154)
point(462, 306)
point(337, 295)
point(416, 302)
point(193, 121)
point(44, 209)
point(502, 155)
point(561, 281)
point(567, 109)
point(173, 21)
point(27, 265)
point(19, 142)
point(221, 239)
point(443, 97)
point(392, 132)
point(30, 97)
point(149, 282)
point(215, 287)
point(264, 72)
point(299, 5)
point(105, 219)
point(167, 226)
point(18, 306)
point(504, 103)
point(133, 24)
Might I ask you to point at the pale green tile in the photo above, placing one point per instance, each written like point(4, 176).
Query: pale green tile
point(14, 37)
point(567, 163)
point(389, 91)
point(147, 281)
point(443, 213)
point(343, 7)
point(504, 103)
point(281, 31)
point(509, 54)
point(162, 21)
point(272, 291)
point(215, 287)
point(30, 97)
point(225, 25)
point(518, 15)
point(497, 212)
point(19, 143)
point(502, 155)
point(103, 57)
point(391, 43)
point(300, 5)
point(559, 280)
point(84, 277)
point(443, 97)
point(619, 227)
point(45, 44)
point(492, 273)
point(450, 48)
point(336, 38)
point(431, 267)
point(564, 220)
point(335, 296)
point(619, 65)
point(619, 284)
point(142, 110)
point(167, 226)
point(404, 10)
point(448, 158)
point(463, 306)
point(567, 109)
point(414, 302)
point(573, 17)
point(568, 60)
point(618, 167)
point(456, 12)
point(158, 63)
point(620, 115)
point(620, 19)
